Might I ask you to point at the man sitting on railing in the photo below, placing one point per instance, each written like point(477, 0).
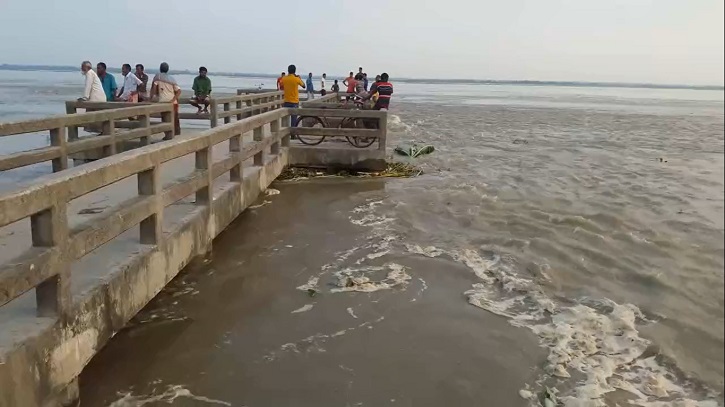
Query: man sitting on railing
point(202, 91)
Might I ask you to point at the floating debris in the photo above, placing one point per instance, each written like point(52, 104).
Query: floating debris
point(414, 151)
point(393, 170)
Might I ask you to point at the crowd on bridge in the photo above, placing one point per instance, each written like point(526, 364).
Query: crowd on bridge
point(100, 86)
point(357, 87)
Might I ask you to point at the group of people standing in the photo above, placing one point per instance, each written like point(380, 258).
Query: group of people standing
point(357, 86)
point(101, 86)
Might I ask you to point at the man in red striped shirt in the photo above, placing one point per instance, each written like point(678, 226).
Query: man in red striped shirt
point(384, 90)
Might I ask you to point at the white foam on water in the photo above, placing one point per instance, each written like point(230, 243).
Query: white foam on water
point(359, 279)
point(271, 191)
point(266, 202)
point(311, 284)
point(304, 308)
point(429, 251)
point(396, 124)
point(313, 343)
point(602, 344)
point(168, 396)
point(371, 220)
point(351, 312)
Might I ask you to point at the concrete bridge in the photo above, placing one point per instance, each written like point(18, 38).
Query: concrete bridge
point(83, 249)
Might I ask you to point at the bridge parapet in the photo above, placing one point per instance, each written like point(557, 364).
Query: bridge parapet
point(65, 140)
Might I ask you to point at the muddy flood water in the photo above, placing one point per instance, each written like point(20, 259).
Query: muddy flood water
point(570, 252)
point(563, 246)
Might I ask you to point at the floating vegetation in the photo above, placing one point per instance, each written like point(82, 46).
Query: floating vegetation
point(393, 170)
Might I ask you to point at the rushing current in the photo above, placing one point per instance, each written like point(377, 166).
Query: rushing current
point(591, 218)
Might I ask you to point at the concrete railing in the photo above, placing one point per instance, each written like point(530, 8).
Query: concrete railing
point(65, 140)
point(46, 266)
point(222, 108)
point(91, 275)
point(42, 368)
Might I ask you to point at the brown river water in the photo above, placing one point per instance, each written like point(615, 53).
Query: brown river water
point(561, 239)
point(574, 249)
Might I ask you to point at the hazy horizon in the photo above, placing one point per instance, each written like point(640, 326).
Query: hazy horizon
point(623, 41)
point(333, 75)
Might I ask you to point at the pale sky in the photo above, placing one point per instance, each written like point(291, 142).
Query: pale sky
point(656, 41)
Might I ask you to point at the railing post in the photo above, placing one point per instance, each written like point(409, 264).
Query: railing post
point(250, 112)
point(274, 127)
point(70, 108)
point(235, 147)
point(57, 139)
point(383, 132)
point(203, 163)
point(258, 135)
point(286, 122)
point(109, 130)
point(213, 112)
point(149, 184)
point(49, 228)
point(238, 107)
point(227, 119)
point(168, 117)
point(145, 121)
point(255, 102)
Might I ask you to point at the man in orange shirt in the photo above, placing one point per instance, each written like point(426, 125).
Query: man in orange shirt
point(279, 81)
point(350, 83)
point(290, 85)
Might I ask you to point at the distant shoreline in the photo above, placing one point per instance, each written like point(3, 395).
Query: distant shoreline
point(53, 68)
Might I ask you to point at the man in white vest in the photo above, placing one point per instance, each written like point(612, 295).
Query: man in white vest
point(94, 89)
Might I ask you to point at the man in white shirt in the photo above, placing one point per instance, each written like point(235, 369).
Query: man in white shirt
point(94, 89)
point(129, 91)
point(323, 91)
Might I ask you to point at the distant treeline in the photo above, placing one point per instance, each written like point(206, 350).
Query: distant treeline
point(54, 68)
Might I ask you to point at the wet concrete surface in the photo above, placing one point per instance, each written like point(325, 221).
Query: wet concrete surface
point(224, 333)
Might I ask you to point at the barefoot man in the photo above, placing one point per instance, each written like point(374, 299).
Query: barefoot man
point(202, 91)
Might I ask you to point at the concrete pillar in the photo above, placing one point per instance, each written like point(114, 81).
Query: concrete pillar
point(286, 120)
point(274, 127)
point(258, 135)
point(145, 122)
point(213, 112)
point(57, 139)
point(383, 129)
point(235, 146)
point(239, 106)
point(49, 228)
point(149, 184)
point(227, 119)
point(109, 130)
point(203, 162)
point(168, 117)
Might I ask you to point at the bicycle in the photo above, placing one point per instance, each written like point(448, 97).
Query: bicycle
point(346, 123)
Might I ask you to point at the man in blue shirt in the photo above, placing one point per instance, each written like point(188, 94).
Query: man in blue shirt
point(310, 87)
point(108, 82)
